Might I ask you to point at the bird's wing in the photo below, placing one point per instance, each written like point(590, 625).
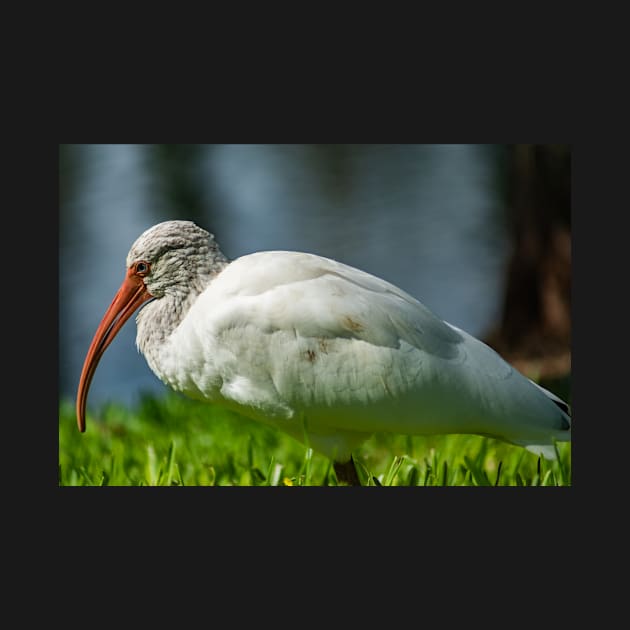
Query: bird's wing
point(320, 297)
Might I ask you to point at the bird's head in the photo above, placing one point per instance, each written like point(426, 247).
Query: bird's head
point(170, 258)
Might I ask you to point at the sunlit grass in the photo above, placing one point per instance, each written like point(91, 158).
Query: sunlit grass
point(173, 441)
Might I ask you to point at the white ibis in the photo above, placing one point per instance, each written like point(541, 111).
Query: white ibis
point(321, 350)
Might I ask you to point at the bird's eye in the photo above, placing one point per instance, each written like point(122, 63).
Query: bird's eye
point(142, 268)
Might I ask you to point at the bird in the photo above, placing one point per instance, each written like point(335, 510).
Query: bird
point(320, 350)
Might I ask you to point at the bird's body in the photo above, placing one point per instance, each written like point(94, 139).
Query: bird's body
point(324, 352)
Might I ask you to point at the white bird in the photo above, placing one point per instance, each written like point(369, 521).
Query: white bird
point(320, 350)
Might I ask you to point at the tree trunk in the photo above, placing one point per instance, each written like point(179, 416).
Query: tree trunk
point(534, 332)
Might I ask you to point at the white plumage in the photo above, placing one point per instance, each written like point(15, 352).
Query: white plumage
point(321, 350)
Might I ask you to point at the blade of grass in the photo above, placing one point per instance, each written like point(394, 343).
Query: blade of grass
point(258, 477)
point(393, 470)
point(86, 475)
point(179, 475)
point(517, 463)
point(327, 473)
point(212, 476)
point(151, 466)
point(414, 476)
point(429, 477)
point(453, 479)
point(496, 483)
point(169, 462)
point(536, 480)
point(364, 475)
point(548, 479)
point(479, 476)
point(563, 476)
point(270, 470)
point(444, 476)
point(275, 475)
point(250, 452)
point(305, 473)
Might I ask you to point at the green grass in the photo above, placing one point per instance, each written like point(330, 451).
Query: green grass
point(173, 441)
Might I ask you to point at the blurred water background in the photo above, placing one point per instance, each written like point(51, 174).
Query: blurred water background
point(429, 218)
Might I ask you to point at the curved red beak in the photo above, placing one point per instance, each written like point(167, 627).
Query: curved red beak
point(131, 295)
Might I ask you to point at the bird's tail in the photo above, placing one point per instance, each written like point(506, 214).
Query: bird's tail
point(561, 434)
point(558, 401)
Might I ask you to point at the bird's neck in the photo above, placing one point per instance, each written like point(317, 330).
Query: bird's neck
point(159, 318)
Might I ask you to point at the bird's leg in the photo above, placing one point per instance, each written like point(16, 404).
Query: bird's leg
point(346, 472)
